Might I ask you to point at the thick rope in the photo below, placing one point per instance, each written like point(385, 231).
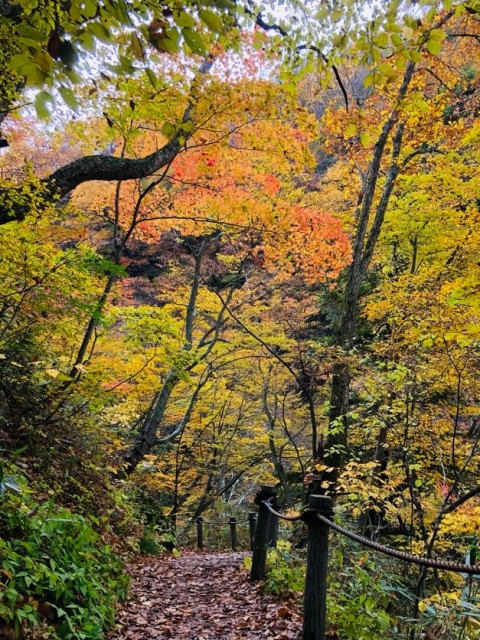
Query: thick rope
point(446, 565)
point(281, 515)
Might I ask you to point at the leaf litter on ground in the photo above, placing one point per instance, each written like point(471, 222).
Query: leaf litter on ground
point(201, 596)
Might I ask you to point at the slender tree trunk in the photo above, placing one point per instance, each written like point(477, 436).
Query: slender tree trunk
point(370, 216)
point(148, 432)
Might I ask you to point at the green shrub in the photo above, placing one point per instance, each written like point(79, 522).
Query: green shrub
point(55, 571)
point(149, 545)
point(358, 600)
point(285, 571)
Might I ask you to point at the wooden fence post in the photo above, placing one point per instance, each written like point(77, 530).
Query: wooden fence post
point(262, 534)
point(233, 533)
point(315, 600)
point(273, 529)
point(200, 532)
point(252, 525)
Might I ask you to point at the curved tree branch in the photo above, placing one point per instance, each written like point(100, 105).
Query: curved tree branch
point(108, 168)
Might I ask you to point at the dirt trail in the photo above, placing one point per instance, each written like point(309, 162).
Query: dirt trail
point(201, 596)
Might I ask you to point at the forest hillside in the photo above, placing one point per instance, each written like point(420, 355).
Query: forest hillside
point(239, 246)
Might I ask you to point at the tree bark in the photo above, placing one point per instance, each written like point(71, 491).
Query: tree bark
point(370, 220)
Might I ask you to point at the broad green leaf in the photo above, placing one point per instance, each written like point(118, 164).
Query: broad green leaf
point(44, 61)
point(170, 43)
point(194, 41)
point(351, 130)
point(381, 40)
point(437, 34)
point(99, 31)
point(386, 70)
point(184, 19)
point(19, 60)
point(136, 46)
point(212, 20)
point(87, 41)
point(30, 32)
point(152, 77)
point(434, 47)
point(36, 78)
point(368, 81)
point(397, 40)
point(169, 130)
point(40, 104)
point(89, 9)
point(69, 98)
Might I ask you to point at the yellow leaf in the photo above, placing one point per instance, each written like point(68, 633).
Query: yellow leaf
point(365, 139)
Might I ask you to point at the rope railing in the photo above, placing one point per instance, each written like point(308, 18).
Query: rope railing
point(446, 565)
point(232, 523)
point(318, 518)
point(282, 516)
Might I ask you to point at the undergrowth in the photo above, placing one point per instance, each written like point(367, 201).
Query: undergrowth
point(57, 578)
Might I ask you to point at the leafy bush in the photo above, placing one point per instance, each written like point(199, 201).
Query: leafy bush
point(285, 571)
point(359, 599)
point(54, 571)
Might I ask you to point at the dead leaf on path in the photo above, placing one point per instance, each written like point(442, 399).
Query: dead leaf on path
point(202, 596)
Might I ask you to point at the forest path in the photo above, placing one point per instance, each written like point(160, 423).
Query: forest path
point(201, 596)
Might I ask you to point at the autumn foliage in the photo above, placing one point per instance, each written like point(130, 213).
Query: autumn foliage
point(292, 294)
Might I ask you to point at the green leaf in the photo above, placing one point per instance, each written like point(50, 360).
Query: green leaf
point(99, 31)
point(120, 11)
point(368, 80)
point(351, 130)
point(381, 40)
point(397, 40)
point(434, 47)
point(135, 46)
point(184, 19)
point(437, 34)
point(19, 60)
point(69, 98)
point(40, 104)
point(386, 70)
point(27, 31)
point(36, 78)
point(194, 41)
point(212, 20)
point(89, 9)
point(170, 43)
point(87, 41)
point(169, 130)
point(152, 77)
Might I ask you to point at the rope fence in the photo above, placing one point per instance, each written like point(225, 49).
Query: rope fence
point(318, 518)
point(445, 565)
point(232, 523)
point(263, 533)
